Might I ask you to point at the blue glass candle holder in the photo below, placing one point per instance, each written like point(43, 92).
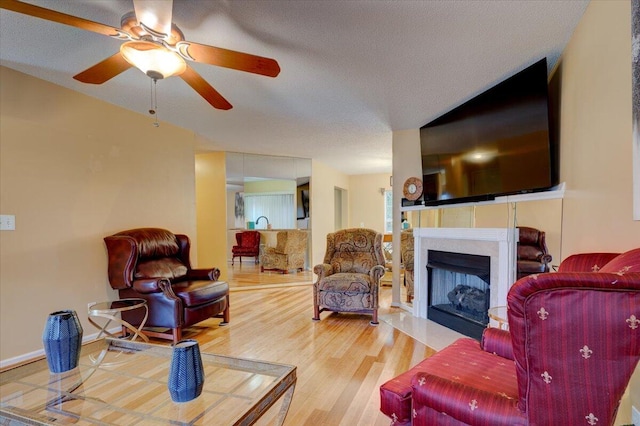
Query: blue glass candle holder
point(62, 340)
point(186, 373)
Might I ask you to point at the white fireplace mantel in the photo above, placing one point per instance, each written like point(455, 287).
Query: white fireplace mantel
point(499, 244)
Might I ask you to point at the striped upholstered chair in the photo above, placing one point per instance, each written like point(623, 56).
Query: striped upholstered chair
point(572, 346)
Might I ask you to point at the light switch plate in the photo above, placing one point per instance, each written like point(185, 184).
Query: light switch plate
point(7, 222)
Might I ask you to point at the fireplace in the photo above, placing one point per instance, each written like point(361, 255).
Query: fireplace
point(499, 244)
point(459, 291)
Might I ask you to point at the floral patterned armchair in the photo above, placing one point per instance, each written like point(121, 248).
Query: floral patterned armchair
point(289, 252)
point(573, 344)
point(406, 252)
point(349, 277)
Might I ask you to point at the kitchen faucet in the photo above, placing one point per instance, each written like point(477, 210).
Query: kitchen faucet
point(265, 218)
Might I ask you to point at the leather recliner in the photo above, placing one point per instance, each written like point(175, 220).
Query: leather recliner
point(153, 264)
point(533, 255)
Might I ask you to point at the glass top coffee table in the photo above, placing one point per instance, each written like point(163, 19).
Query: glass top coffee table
point(112, 311)
point(499, 314)
point(236, 391)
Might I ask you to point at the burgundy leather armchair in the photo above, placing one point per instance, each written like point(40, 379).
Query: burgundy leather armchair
point(153, 264)
point(573, 344)
point(533, 255)
point(248, 245)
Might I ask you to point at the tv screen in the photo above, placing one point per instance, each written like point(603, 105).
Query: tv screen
point(495, 144)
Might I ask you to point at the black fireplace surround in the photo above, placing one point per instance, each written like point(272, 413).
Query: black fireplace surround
point(459, 294)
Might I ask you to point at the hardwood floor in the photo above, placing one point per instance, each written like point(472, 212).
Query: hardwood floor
point(341, 360)
point(247, 274)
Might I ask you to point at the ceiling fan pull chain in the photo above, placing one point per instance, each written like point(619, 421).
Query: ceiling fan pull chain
point(154, 101)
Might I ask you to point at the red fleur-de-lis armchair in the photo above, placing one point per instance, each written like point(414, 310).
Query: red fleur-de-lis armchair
point(572, 346)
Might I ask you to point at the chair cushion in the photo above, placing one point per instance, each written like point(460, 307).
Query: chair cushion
point(625, 262)
point(345, 292)
point(169, 267)
point(153, 242)
point(245, 251)
point(462, 362)
point(531, 267)
point(358, 262)
point(346, 282)
point(354, 250)
point(194, 293)
point(438, 401)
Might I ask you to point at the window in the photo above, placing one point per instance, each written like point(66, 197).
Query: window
point(278, 208)
point(388, 211)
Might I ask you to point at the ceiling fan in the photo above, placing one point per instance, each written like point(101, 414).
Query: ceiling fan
point(156, 46)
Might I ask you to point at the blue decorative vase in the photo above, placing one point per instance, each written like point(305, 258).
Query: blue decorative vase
point(186, 373)
point(62, 340)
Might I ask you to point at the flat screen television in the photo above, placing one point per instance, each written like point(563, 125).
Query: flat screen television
point(498, 143)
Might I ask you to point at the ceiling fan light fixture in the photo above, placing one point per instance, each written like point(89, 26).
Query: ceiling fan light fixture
point(153, 59)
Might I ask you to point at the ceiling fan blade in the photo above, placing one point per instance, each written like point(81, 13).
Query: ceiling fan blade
point(231, 59)
point(205, 90)
point(104, 70)
point(155, 15)
point(62, 18)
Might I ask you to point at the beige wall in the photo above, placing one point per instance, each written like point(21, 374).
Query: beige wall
point(74, 170)
point(366, 202)
point(211, 211)
point(406, 163)
point(273, 185)
point(596, 139)
point(596, 134)
point(324, 180)
point(594, 77)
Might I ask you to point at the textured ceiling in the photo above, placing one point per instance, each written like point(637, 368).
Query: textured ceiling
point(352, 71)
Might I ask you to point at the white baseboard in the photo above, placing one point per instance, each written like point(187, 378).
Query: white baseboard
point(40, 352)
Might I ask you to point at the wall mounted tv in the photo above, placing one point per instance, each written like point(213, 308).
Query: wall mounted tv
point(497, 143)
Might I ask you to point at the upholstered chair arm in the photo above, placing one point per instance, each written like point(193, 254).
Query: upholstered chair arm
point(172, 303)
point(204, 274)
point(376, 273)
point(123, 253)
point(545, 258)
point(408, 262)
point(497, 341)
point(323, 270)
point(149, 285)
point(586, 262)
point(431, 392)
